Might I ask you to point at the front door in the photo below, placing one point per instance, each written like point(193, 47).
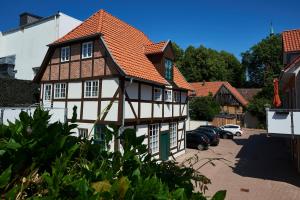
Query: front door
point(164, 145)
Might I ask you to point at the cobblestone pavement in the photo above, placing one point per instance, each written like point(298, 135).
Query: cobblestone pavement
point(254, 167)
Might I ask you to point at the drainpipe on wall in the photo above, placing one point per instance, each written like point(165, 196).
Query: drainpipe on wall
point(121, 129)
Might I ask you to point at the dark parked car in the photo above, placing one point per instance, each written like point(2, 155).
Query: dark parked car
point(222, 133)
point(197, 140)
point(213, 137)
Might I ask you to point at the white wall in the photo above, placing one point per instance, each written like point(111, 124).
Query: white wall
point(146, 92)
point(90, 110)
point(30, 44)
point(109, 87)
point(74, 90)
point(146, 110)
point(132, 90)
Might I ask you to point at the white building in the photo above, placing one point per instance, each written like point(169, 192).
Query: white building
point(115, 74)
point(22, 49)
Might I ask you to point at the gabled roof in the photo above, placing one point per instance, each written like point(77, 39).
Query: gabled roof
point(155, 48)
point(205, 88)
point(126, 44)
point(249, 93)
point(291, 40)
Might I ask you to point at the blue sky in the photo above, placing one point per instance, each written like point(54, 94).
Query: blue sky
point(231, 25)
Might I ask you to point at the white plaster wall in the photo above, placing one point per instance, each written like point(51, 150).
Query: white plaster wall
point(164, 127)
point(41, 91)
point(180, 135)
point(146, 92)
point(112, 114)
point(128, 111)
point(176, 110)
point(70, 106)
point(146, 110)
point(183, 109)
point(142, 130)
point(180, 124)
point(109, 87)
point(90, 109)
point(30, 44)
point(59, 104)
point(157, 110)
point(74, 90)
point(66, 24)
point(167, 110)
point(132, 90)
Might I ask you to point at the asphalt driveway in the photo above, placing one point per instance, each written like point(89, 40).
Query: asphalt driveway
point(252, 166)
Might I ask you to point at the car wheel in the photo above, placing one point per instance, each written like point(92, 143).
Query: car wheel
point(200, 147)
point(238, 134)
point(225, 136)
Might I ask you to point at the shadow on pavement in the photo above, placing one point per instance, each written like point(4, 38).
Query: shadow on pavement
point(265, 158)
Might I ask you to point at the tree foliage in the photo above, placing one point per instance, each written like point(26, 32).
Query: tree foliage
point(198, 64)
point(264, 63)
point(263, 59)
point(39, 160)
point(204, 108)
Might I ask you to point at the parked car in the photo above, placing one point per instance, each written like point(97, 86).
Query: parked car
point(235, 129)
point(213, 137)
point(197, 140)
point(222, 133)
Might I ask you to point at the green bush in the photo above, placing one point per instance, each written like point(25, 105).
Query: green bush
point(39, 160)
point(204, 108)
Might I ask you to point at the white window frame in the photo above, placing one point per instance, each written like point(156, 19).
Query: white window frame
point(173, 134)
point(154, 138)
point(47, 92)
point(65, 54)
point(91, 88)
point(157, 94)
point(60, 90)
point(168, 95)
point(83, 132)
point(176, 96)
point(87, 50)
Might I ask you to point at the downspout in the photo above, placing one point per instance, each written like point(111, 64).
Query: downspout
point(121, 129)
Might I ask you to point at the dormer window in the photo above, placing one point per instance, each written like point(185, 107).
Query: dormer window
point(87, 49)
point(168, 69)
point(65, 54)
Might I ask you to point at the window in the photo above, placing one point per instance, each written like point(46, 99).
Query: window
point(99, 135)
point(83, 132)
point(87, 49)
point(91, 89)
point(47, 93)
point(157, 94)
point(173, 134)
point(176, 96)
point(168, 95)
point(153, 138)
point(65, 54)
point(168, 69)
point(60, 90)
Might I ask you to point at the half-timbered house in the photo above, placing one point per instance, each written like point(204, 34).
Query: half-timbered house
point(231, 101)
point(115, 74)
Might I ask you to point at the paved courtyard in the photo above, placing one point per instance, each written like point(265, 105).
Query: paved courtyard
point(254, 167)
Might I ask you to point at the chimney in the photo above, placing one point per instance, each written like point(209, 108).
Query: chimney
point(27, 18)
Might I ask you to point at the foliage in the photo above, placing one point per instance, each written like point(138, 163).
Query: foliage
point(264, 57)
point(39, 160)
point(198, 64)
point(204, 108)
point(264, 63)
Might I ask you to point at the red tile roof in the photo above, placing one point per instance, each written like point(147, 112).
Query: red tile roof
point(291, 40)
point(127, 46)
point(205, 88)
point(155, 48)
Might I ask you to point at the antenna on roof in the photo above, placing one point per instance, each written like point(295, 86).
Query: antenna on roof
point(271, 29)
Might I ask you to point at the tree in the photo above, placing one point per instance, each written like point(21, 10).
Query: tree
point(263, 59)
point(198, 64)
point(204, 108)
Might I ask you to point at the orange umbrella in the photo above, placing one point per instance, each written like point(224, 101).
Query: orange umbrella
point(276, 99)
